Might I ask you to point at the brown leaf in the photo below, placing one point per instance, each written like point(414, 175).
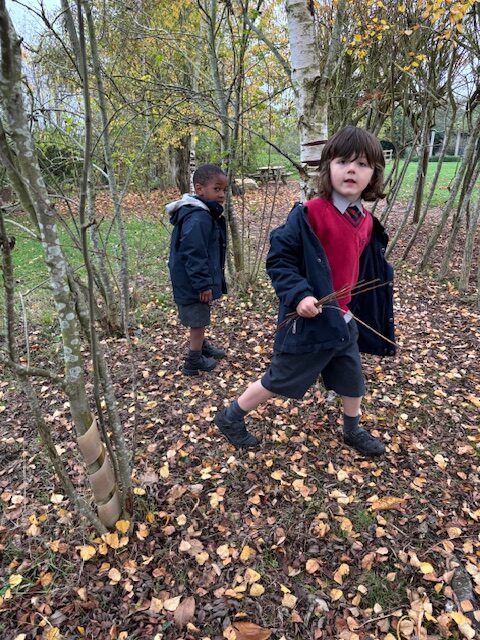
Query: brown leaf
point(389, 503)
point(250, 631)
point(185, 612)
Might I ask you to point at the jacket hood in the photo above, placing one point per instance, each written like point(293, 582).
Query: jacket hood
point(186, 200)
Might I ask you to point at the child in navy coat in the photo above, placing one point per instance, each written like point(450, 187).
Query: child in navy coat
point(197, 261)
point(327, 244)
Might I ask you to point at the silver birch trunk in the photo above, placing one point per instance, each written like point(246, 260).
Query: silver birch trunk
point(33, 186)
point(311, 84)
point(312, 102)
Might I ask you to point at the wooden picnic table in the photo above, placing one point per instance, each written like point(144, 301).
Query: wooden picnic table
point(271, 173)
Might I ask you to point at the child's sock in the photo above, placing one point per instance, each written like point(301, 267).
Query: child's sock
point(234, 413)
point(350, 424)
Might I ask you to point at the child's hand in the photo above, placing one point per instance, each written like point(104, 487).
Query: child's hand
point(206, 296)
point(306, 308)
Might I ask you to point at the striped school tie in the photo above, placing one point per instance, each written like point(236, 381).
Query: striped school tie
point(354, 215)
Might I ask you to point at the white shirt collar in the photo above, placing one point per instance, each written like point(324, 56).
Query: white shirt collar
point(341, 203)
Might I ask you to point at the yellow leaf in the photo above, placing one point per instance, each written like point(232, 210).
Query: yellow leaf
point(151, 404)
point(201, 558)
point(156, 605)
point(122, 525)
point(454, 532)
point(138, 491)
point(336, 594)
point(252, 576)
point(459, 618)
point(246, 553)
point(53, 633)
point(112, 540)
point(278, 474)
point(46, 579)
point(289, 600)
point(312, 565)
point(56, 498)
point(164, 471)
point(87, 552)
point(172, 603)
point(426, 567)
point(114, 575)
point(223, 551)
point(256, 590)
point(15, 579)
point(342, 571)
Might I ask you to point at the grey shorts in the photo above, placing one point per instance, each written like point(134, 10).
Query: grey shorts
point(194, 315)
point(292, 374)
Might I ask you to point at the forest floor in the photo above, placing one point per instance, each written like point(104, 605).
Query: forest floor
point(300, 539)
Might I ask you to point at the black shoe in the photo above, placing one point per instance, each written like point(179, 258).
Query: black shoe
point(235, 432)
point(364, 443)
point(210, 351)
point(196, 363)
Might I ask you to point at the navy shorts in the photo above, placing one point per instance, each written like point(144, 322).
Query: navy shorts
point(194, 315)
point(292, 374)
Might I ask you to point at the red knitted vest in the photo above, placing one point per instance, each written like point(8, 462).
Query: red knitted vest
point(342, 241)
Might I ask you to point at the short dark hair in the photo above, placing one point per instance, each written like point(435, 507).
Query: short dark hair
point(206, 172)
point(352, 142)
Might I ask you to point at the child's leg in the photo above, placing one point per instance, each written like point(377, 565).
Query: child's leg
point(197, 334)
point(230, 420)
point(255, 394)
point(353, 434)
point(195, 360)
point(351, 406)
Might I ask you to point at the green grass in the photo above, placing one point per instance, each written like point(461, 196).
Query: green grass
point(441, 194)
point(147, 241)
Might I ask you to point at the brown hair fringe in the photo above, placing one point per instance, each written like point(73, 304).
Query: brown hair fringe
point(350, 143)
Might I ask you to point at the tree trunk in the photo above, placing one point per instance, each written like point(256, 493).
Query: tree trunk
point(463, 207)
point(312, 103)
point(33, 185)
point(453, 193)
point(469, 246)
point(433, 186)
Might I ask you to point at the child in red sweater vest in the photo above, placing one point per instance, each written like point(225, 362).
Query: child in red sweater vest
point(326, 245)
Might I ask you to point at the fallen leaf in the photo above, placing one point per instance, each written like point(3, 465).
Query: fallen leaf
point(87, 552)
point(257, 590)
point(289, 600)
point(312, 565)
point(426, 567)
point(389, 503)
point(342, 571)
point(184, 612)
point(246, 553)
point(250, 631)
point(172, 603)
point(336, 594)
point(15, 579)
point(122, 525)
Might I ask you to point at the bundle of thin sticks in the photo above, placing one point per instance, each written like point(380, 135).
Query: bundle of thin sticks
point(360, 287)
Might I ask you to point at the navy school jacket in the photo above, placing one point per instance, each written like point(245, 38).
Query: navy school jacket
point(298, 267)
point(197, 249)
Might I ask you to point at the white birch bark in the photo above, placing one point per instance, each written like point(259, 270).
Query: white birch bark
point(311, 84)
point(33, 191)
